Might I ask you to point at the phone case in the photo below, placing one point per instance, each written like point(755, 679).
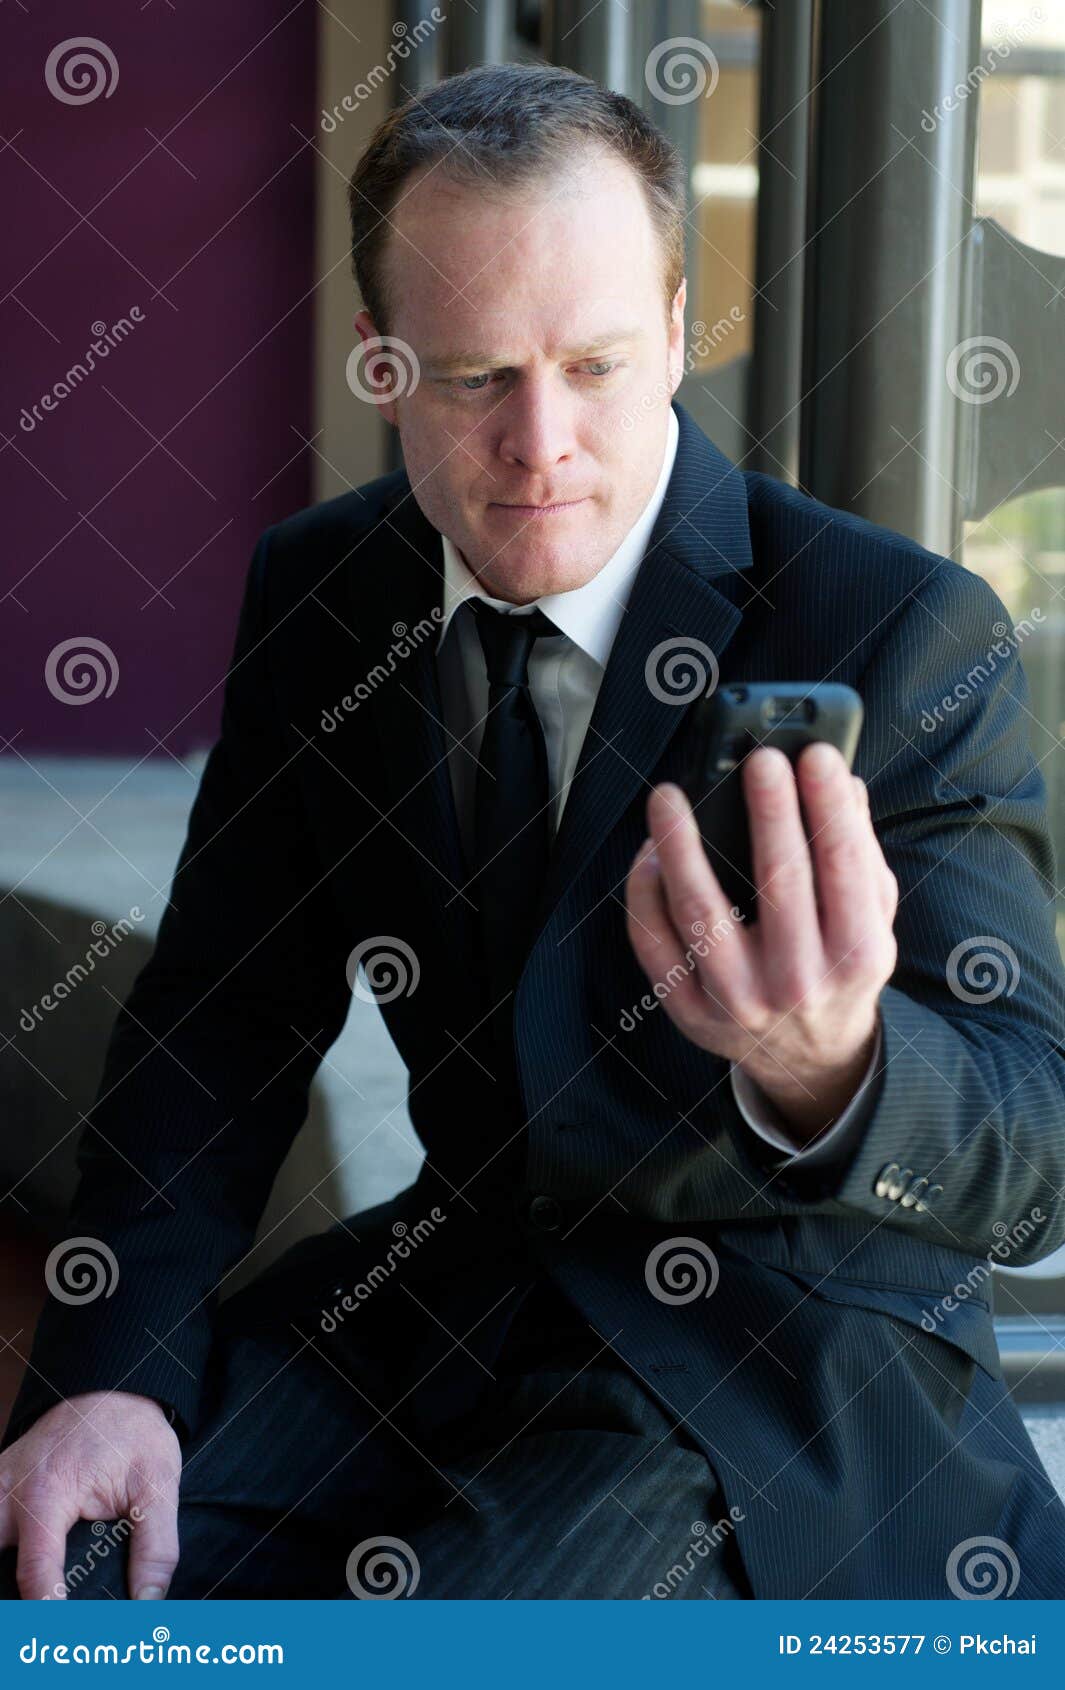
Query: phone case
point(723, 728)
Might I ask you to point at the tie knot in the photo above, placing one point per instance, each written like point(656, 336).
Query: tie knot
point(507, 638)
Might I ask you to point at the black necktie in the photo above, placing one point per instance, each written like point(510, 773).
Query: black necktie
point(512, 828)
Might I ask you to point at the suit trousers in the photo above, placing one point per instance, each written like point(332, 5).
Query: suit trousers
point(519, 1458)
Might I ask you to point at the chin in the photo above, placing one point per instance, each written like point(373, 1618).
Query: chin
point(531, 571)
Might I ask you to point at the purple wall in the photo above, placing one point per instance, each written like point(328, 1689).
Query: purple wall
point(211, 238)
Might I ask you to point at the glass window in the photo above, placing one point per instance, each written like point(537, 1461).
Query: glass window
point(1020, 547)
point(724, 186)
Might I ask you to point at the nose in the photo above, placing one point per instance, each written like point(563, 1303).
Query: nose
point(537, 426)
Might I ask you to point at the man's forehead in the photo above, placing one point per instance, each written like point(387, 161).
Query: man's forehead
point(584, 171)
point(436, 218)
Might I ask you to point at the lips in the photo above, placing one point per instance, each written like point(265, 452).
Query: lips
point(535, 505)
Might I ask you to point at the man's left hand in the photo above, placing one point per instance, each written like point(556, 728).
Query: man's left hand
point(792, 998)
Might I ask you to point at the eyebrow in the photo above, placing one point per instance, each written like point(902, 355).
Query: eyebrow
point(483, 359)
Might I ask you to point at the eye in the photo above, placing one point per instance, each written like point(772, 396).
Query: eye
point(597, 368)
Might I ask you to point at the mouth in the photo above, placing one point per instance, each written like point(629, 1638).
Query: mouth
point(532, 513)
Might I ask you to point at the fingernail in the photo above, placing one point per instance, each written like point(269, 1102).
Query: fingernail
point(767, 765)
point(151, 1593)
point(647, 856)
point(820, 759)
point(674, 795)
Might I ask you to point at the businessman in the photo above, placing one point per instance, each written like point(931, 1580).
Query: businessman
point(690, 1297)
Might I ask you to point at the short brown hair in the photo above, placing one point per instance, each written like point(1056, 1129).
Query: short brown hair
point(509, 124)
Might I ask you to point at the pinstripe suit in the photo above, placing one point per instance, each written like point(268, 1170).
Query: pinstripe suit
point(848, 1400)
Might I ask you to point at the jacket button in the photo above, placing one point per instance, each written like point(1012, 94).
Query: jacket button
point(545, 1214)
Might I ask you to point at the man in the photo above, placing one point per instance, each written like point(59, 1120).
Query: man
point(690, 1297)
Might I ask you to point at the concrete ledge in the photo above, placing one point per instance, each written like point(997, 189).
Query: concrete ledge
point(85, 841)
point(1046, 1429)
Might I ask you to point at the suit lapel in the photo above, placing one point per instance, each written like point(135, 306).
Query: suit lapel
point(408, 715)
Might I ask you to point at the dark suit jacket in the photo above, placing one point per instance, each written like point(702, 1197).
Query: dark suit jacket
point(849, 1397)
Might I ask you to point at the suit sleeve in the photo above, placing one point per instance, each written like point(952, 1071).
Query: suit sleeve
point(965, 1140)
point(207, 1073)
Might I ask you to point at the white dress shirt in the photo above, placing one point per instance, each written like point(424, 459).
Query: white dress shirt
point(564, 679)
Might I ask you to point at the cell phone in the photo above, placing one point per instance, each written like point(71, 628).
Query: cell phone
point(730, 722)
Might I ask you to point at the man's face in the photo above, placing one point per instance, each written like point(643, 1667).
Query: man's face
point(536, 432)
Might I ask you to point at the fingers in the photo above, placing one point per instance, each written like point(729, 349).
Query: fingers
point(688, 911)
point(887, 885)
point(655, 942)
point(153, 1552)
point(850, 885)
point(45, 1513)
point(120, 1461)
point(8, 1527)
point(782, 870)
point(693, 891)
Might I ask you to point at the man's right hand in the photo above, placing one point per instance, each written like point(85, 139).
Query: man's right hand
point(106, 1455)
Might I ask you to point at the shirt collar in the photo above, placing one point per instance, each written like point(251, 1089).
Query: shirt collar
point(590, 614)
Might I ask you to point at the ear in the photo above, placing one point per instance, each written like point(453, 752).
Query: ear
point(676, 336)
point(374, 370)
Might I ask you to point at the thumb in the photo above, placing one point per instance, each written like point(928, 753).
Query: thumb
point(154, 1549)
